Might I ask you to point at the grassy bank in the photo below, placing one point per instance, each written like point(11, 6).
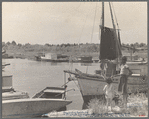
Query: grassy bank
point(137, 106)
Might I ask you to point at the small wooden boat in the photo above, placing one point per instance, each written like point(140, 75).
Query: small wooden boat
point(53, 93)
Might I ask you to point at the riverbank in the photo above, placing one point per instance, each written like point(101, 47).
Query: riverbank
point(137, 106)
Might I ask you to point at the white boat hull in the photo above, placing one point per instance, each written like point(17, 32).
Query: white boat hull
point(20, 108)
point(94, 86)
point(91, 88)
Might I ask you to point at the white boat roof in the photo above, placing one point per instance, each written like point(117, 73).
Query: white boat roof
point(53, 91)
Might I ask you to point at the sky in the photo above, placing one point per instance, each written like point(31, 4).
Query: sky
point(71, 22)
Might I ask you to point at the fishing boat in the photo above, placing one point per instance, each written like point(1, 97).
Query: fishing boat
point(51, 57)
point(17, 104)
point(91, 85)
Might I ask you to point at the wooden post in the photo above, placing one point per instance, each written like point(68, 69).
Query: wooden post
point(65, 85)
point(131, 54)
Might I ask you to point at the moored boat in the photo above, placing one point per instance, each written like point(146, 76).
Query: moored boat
point(91, 85)
point(21, 108)
point(18, 104)
point(51, 57)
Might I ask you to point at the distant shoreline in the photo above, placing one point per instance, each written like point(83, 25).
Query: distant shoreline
point(30, 51)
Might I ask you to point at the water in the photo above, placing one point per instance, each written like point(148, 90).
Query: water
point(33, 76)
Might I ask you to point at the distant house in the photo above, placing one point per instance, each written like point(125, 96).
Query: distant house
point(55, 57)
point(49, 56)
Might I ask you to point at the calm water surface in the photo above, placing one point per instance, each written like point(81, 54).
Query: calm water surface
point(33, 76)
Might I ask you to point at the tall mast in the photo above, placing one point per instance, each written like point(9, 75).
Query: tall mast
point(102, 22)
point(112, 17)
point(117, 42)
point(102, 14)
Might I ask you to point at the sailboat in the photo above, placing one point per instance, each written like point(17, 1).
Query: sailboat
point(91, 85)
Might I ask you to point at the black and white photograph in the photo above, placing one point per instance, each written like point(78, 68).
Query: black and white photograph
point(76, 59)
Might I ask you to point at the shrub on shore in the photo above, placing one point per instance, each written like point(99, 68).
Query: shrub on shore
point(141, 104)
point(97, 106)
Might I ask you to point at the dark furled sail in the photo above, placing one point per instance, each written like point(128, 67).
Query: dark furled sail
point(109, 45)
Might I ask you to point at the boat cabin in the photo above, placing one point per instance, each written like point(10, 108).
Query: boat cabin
point(54, 56)
point(8, 93)
point(6, 81)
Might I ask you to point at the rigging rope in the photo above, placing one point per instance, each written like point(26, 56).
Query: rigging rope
point(83, 27)
point(92, 31)
point(93, 23)
point(115, 16)
point(71, 63)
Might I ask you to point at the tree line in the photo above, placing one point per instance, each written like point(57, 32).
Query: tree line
point(74, 44)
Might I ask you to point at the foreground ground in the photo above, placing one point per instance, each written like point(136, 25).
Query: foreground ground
point(137, 107)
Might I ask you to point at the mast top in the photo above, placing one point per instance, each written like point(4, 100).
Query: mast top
point(102, 14)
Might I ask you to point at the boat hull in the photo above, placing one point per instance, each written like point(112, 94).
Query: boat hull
point(93, 87)
point(20, 108)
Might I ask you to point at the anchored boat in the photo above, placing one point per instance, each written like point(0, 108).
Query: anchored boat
point(51, 57)
point(17, 104)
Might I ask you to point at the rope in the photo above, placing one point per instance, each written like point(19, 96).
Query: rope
point(93, 23)
point(75, 82)
point(92, 31)
point(71, 63)
point(83, 28)
point(77, 85)
point(115, 16)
